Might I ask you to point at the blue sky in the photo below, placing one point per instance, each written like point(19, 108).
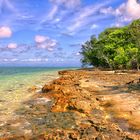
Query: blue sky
point(51, 32)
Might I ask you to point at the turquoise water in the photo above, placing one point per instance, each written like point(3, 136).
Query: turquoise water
point(15, 82)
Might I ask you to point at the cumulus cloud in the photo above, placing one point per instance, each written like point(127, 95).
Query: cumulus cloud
point(48, 44)
point(12, 46)
point(45, 42)
point(126, 12)
point(133, 9)
point(5, 32)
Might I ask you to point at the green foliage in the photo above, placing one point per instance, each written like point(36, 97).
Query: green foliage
point(115, 48)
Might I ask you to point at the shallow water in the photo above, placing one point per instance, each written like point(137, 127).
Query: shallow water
point(14, 85)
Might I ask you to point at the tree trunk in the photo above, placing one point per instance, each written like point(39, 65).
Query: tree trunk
point(138, 67)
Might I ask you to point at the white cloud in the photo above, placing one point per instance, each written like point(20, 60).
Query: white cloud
point(5, 32)
point(14, 59)
point(133, 9)
point(40, 38)
point(48, 44)
point(6, 60)
point(56, 9)
point(59, 60)
point(120, 10)
point(85, 16)
point(8, 5)
point(50, 49)
point(126, 12)
point(108, 10)
point(94, 26)
point(32, 60)
point(118, 24)
point(78, 54)
point(46, 59)
point(52, 13)
point(45, 42)
point(57, 20)
point(67, 3)
point(10, 60)
point(12, 46)
point(35, 60)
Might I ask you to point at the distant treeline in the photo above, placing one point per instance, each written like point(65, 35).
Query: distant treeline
point(115, 48)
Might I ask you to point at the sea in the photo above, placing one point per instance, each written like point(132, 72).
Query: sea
point(15, 83)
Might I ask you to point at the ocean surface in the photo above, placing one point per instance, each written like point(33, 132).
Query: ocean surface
point(15, 82)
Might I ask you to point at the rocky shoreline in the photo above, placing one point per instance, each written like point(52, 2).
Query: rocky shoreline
point(81, 104)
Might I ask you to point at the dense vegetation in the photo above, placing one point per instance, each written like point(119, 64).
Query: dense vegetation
point(115, 48)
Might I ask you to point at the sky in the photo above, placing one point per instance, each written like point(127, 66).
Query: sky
point(51, 32)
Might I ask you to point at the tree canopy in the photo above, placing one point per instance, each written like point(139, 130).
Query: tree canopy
point(115, 48)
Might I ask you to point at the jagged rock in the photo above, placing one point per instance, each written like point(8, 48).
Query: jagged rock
point(47, 88)
point(63, 72)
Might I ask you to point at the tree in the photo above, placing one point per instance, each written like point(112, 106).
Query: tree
point(115, 48)
point(135, 32)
